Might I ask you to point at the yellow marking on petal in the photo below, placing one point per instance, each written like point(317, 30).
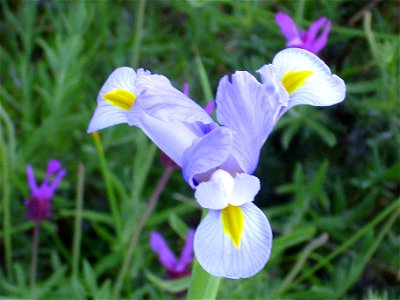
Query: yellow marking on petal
point(123, 99)
point(233, 223)
point(293, 80)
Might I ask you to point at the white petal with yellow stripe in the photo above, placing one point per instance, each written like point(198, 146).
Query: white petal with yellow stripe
point(219, 255)
point(234, 240)
point(115, 98)
point(306, 78)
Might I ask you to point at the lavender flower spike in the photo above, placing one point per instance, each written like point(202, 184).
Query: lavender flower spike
point(176, 268)
point(308, 40)
point(39, 202)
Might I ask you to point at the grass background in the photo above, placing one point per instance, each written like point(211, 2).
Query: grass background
point(330, 176)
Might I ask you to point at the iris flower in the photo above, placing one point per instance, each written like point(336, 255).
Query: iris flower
point(39, 202)
point(234, 239)
point(308, 40)
point(176, 268)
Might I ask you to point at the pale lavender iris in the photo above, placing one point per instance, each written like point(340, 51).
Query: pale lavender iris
point(39, 202)
point(313, 40)
point(176, 268)
point(234, 239)
point(246, 108)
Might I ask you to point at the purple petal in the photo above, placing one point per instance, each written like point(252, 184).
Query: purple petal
point(187, 252)
point(249, 108)
point(314, 29)
point(210, 107)
point(52, 167)
point(185, 89)
point(160, 100)
point(159, 246)
point(205, 154)
point(57, 180)
point(288, 26)
point(320, 43)
point(31, 179)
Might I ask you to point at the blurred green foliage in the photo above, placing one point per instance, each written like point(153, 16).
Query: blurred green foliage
point(330, 176)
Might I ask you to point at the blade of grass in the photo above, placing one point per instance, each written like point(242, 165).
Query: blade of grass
point(78, 220)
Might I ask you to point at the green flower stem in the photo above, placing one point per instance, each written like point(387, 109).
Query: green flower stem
point(138, 229)
point(109, 188)
point(35, 243)
point(202, 285)
point(141, 5)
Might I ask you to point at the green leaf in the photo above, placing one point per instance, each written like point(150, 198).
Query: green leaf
point(171, 286)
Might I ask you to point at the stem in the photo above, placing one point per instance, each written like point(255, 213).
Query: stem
point(138, 32)
point(136, 233)
point(202, 284)
point(78, 221)
point(35, 243)
point(109, 188)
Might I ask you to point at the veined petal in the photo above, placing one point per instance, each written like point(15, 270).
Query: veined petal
point(320, 88)
point(217, 192)
point(120, 86)
point(245, 188)
point(219, 256)
point(206, 154)
point(160, 100)
point(249, 108)
point(173, 138)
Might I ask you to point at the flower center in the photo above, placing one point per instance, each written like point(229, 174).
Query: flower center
point(233, 223)
point(123, 99)
point(293, 80)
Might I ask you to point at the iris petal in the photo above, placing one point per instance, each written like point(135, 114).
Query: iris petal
point(206, 154)
point(249, 108)
point(218, 255)
point(106, 114)
point(321, 88)
point(159, 99)
point(245, 188)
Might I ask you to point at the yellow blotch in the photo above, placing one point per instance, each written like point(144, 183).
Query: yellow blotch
point(293, 80)
point(123, 99)
point(233, 223)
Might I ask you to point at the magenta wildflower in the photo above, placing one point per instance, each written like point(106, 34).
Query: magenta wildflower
point(39, 202)
point(175, 268)
point(308, 40)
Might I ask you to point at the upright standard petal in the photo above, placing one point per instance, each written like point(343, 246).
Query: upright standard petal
point(160, 100)
point(249, 108)
point(218, 254)
point(206, 154)
point(217, 192)
point(306, 78)
point(115, 98)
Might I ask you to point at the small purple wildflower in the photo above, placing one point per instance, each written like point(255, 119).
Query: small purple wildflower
point(39, 202)
point(307, 40)
point(175, 268)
